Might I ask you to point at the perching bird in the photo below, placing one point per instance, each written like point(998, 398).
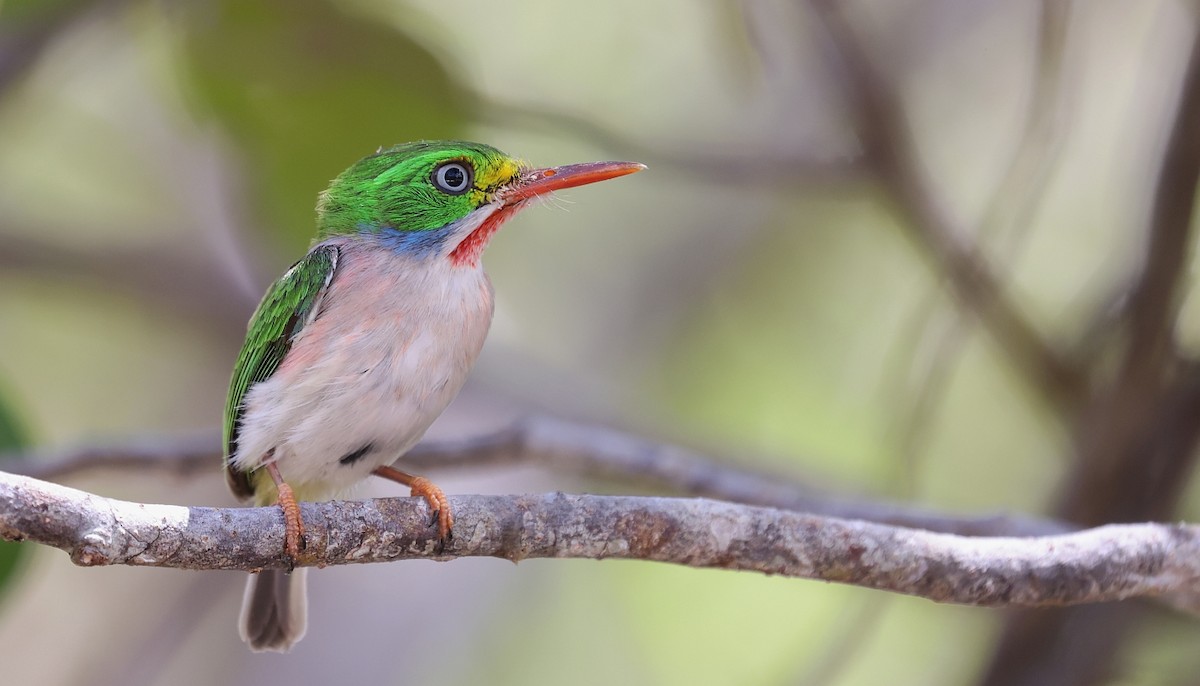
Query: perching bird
point(355, 350)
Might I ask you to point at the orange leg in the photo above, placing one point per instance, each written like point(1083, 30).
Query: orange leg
point(420, 486)
point(293, 522)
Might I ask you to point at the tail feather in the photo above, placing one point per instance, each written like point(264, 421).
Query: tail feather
point(274, 610)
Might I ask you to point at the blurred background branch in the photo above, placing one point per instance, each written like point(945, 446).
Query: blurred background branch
point(889, 146)
point(570, 448)
point(1136, 440)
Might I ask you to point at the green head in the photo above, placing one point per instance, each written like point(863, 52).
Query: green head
point(430, 197)
point(414, 187)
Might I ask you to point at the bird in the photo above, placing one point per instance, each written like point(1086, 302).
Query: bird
point(363, 342)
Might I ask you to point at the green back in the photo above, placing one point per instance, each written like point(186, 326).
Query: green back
point(288, 306)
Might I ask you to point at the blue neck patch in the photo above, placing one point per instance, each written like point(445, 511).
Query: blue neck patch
point(419, 244)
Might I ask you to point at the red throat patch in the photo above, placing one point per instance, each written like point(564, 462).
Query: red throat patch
point(468, 252)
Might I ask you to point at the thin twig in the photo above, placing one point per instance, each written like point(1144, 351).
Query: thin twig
point(1009, 212)
point(1011, 207)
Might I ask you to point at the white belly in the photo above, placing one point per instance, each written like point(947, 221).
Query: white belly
point(390, 349)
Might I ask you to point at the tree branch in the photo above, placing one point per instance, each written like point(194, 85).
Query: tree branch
point(1136, 442)
point(157, 274)
point(1156, 296)
point(891, 152)
point(1105, 564)
point(579, 448)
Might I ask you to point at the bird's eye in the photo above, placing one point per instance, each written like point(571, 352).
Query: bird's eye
point(453, 178)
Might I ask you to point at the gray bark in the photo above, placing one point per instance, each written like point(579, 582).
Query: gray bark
point(1103, 564)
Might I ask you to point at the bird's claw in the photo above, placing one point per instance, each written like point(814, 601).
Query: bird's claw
point(439, 505)
point(441, 514)
point(294, 539)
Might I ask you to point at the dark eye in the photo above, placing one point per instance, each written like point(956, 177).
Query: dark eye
point(453, 178)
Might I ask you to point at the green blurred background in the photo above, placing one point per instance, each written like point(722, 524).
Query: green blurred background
point(751, 295)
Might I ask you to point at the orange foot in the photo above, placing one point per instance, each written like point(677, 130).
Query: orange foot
point(434, 496)
point(293, 522)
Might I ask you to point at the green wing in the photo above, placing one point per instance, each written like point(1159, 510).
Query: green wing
point(290, 304)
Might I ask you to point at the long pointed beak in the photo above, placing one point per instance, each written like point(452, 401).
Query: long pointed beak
point(541, 181)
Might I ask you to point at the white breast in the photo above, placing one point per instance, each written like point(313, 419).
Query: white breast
point(390, 348)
